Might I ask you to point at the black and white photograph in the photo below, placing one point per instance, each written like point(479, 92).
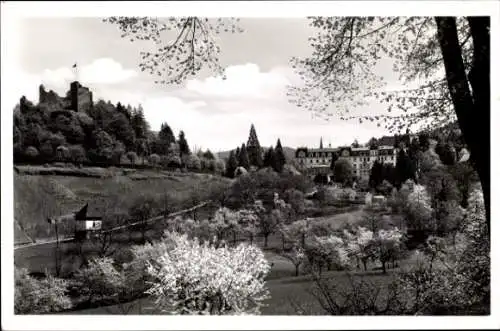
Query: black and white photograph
point(180, 160)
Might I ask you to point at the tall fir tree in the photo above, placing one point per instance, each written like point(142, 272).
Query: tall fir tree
point(139, 123)
point(231, 164)
point(269, 157)
point(280, 158)
point(253, 148)
point(237, 155)
point(166, 134)
point(376, 174)
point(243, 160)
point(183, 144)
point(404, 167)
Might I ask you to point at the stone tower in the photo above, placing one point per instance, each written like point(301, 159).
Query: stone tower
point(80, 97)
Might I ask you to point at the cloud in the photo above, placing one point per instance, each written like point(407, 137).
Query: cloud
point(241, 81)
point(105, 71)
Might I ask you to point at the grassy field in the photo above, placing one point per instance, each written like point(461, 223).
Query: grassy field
point(37, 197)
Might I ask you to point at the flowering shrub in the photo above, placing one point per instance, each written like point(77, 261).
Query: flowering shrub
point(32, 296)
point(100, 279)
point(194, 278)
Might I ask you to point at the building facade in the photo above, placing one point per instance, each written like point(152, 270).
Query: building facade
point(318, 160)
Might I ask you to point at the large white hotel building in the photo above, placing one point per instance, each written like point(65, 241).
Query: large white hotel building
point(318, 160)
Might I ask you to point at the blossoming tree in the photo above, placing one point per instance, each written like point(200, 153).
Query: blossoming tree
point(195, 278)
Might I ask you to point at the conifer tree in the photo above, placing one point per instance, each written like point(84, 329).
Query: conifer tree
point(183, 145)
point(269, 157)
point(244, 161)
point(231, 164)
point(253, 148)
point(237, 155)
point(139, 124)
point(166, 134)
point(280, 159)
point(404, 167)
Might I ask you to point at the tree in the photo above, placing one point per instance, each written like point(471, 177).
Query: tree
point(231, 165)
point(31, 152)
point(243, 160)
point(132, 157)
point(269, 157)
point(183, 144)
point(193, 162)
point(340, 67)
point(376, 174)
point(103, 143)
point(119, 127)
point(154, 160)
point(355, 144)
point(195, 278)
point(100, 280)
point(342, 171)
point(77, 153)
point(404, 167)
point(208, 155)
point(361, 245)
point(138, 123)
point(446, 153)
point(297, 256)
point(166, 137)
point(253, 148)
point(141, 210)
point(32, 296)
point(335, 157)
point(279, 157)
point(388, 246)
point(419, 213)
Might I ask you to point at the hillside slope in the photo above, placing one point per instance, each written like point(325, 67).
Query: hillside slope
point(37, 197)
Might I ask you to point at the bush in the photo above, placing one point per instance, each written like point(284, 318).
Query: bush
point(31, 153)
point(32, 296)
point(100, 280)
point(77, 154)
point(296, 199)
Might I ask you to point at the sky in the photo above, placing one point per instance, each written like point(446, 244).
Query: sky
point(213, 113)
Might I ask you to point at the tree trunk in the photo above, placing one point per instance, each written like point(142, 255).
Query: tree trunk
point(58, 264)
point(384, 271)
point(364, 264)
point(472, 109)
point(251, 239)
point(297, 270)
point(265, 240)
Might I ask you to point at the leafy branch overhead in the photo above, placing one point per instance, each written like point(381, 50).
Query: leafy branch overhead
point(193, 47)
point(341, 72)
